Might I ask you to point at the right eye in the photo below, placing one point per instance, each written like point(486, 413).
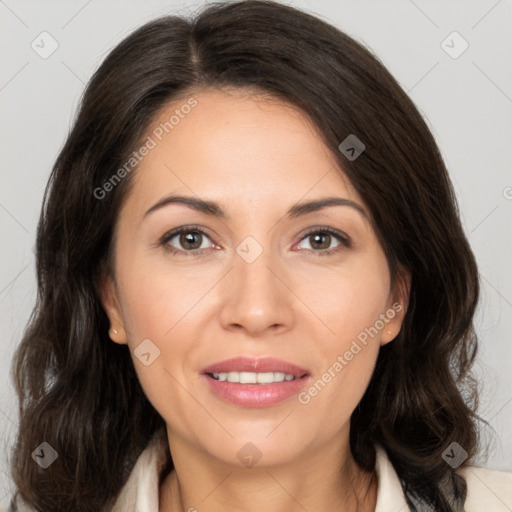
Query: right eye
point(189, 237)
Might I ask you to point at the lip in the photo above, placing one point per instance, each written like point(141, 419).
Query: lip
point(260, 365)
point(255, 395)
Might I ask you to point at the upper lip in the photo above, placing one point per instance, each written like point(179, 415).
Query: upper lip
point(256, 365)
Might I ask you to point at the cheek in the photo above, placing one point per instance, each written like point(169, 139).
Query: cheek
point(156, 300)
point(351, 304)
point(162, 306)
point(350, 300)
point(344, 366)
point(159, 320)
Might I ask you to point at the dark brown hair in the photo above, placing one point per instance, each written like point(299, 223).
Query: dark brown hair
point(79, 392)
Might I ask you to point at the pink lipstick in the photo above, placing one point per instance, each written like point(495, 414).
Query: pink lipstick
point(251, 382)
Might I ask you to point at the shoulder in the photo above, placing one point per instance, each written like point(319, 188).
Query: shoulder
point(487, 489)
point(141, 489)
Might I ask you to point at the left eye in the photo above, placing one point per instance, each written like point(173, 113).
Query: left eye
point(323, 239)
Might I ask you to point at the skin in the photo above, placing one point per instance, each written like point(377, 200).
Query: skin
point(257, 158)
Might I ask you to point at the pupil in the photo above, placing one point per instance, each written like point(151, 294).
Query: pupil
point(319, 236)
point(188, 238)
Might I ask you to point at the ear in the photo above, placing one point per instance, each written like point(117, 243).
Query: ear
point(397, 307)
point(110, 300)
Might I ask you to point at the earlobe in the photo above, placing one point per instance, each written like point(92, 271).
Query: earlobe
point(110, 302)
point(117, 335)
point(399, 302)
point(387, 337)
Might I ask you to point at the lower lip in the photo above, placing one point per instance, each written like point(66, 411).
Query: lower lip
point(255, 395)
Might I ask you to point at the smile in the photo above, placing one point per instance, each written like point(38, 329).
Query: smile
point(255, 382)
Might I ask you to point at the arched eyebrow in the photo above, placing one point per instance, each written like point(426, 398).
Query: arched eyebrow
point(213, 209)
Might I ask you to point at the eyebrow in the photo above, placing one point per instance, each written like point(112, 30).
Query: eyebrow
point(214, 209)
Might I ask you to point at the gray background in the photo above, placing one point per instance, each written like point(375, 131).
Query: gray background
point(466, 100)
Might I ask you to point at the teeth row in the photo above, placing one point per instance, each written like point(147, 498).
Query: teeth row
point(252, 378)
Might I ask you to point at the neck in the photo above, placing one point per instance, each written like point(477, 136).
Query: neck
point(322, 479)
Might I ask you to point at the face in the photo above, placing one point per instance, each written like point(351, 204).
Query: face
point(306, 293)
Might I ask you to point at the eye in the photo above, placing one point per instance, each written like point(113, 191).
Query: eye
point(189, 237)
point(321, 239)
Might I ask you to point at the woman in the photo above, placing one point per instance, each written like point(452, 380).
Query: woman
point(311, 348)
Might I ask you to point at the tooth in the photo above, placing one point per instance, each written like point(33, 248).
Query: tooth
point(265, 378)
point(247, 378)
point(233, 377)
point(252, 377)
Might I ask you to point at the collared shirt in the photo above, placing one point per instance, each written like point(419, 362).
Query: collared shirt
point(487, 490)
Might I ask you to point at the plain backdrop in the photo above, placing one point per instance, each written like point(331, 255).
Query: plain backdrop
point(466, 100)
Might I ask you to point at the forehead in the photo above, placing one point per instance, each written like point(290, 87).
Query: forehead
point(232, 146)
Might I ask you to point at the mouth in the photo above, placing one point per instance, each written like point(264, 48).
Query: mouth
point(250, 382)
point(253, 377)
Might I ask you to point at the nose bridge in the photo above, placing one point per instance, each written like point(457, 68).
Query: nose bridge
point(256, 297)
point(253, 271)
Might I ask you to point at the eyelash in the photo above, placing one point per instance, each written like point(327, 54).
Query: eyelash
point(344, 241)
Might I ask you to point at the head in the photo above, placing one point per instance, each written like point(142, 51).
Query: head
point(247, 106)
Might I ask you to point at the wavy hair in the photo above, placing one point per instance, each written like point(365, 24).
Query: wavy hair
point(79, 392)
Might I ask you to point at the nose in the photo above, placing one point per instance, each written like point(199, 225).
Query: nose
point(256, 297)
